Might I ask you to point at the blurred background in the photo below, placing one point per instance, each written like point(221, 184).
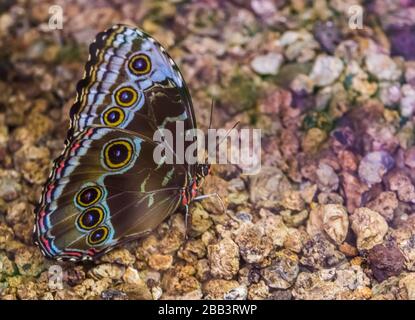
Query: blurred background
point(330, 83)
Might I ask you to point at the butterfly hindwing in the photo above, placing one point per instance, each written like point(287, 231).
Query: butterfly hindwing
point(105, 189)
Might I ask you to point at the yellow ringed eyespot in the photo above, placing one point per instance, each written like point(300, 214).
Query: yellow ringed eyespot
point(113, 117)
point(126, 97)
point(90, 218)
point(117, 154)
point(139, 64)
point(98, 235)
point(88, 196)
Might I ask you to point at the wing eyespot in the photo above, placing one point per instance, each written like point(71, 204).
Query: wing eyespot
point(117, 154)
point(88, 196)
point(90, 218)
point(113, 117)
point(139, 64)
point(126, 96)
point(98, 236)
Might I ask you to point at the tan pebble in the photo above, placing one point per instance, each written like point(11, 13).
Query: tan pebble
point(335, 222)
point(292, 200)
point(267, 187)
point(254, 244)
point(258, 291)
point(174, 236)
point(283, 271)
point(6, 235)
point(348, 250)
point(408, 284)
point(214, 184)
point(385, 204)
point(369, 226)
point(356, 261)
point(148, 246)
point(107, 270)
point(177, 281)
point(295, 240)
point(274, 227)
point(202, 269)
point(29, 261)
point(294, 219)
point(132, 276)
point(363, 293)
point(192, 251)
point(315, 219)
point(313, 139)
point(200, 219)
point(136, 291)
point(224, 259)
point(216, 289)
point(160, 261)
point(309, 192)
point(120, 256)
point(27, 291)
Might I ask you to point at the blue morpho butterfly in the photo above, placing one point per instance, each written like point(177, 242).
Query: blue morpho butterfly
point(105, 188)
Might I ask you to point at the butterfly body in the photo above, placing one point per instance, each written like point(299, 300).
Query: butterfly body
point(106, 188)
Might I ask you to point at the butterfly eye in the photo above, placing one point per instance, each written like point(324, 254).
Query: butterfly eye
point(113, 117)
point(117, 154)
point(88, 196)
point(98, 236)
point(140, 64)
point(126, 96)
point(90, 218)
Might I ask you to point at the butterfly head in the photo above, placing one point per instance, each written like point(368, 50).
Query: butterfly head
point(202, 170)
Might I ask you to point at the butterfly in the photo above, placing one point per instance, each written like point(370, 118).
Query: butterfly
point(105, 188)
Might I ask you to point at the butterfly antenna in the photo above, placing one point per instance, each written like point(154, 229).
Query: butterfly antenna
point(211, 112)
point(186, 222)
point(226, 135)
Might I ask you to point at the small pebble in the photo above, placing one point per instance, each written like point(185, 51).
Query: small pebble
point(327, 177)
point(385, 261)
point(283, 271)
point(398, 181)
point(374, 166)
point(382, 67)
point(369, 226)
point(326, 70)
point(268, 64)
point(254, 243)
point(224, 259)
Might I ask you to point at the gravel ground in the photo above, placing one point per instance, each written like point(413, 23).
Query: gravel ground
point(331, 215)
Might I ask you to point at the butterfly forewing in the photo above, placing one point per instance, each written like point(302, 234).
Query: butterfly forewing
point(130, 82)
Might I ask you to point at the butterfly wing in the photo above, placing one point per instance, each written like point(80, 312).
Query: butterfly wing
point(104, 189)
point(131, 82)
point(131, 88)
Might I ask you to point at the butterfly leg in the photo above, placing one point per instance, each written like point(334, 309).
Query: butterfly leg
point(186, 221)
point(216, 195)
